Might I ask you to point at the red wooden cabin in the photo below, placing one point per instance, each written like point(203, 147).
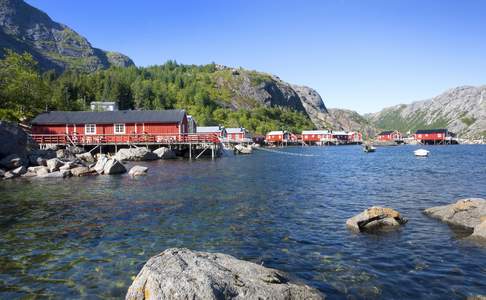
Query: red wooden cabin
point(389, 136)
point(239, 134)
point(433, 136)
point(124, 126)
point(277, 136)
point(315, 136)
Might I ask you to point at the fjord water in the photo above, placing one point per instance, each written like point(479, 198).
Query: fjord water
point(88, 237)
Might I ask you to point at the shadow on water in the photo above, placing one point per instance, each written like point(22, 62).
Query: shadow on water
point(89, 236)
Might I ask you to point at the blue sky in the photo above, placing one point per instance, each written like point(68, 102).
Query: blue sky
point(358, 54)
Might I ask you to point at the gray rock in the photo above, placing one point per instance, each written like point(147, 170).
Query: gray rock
point(480, 229)
point(87, 157)
point(465, 212)
point(184, 274)
point(29, 174)
point(2, 173)
point(54, 164)
point(15, 172)
point(138, 171)
point(114, 166)
point(57, 174)
point(100, 164)
point(38, 157)
point(42, 171)
point(375, 218)
point(82, 171)
point(34, 169)
point(165, 153)
point(9, 175)
point(68, 165)
point(134, 154)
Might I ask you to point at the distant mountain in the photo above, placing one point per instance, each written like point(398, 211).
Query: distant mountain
point(24, 28)
point(462, 110)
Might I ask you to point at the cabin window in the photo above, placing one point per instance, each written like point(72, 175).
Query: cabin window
point(90, 128)
point(119, 128)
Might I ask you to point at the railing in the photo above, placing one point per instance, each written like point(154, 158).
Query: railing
point(94, 139)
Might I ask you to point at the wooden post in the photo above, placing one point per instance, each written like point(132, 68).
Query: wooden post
point(212, 151)
point(190, 151)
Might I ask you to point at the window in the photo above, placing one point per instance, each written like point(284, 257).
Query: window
point(119, 128)
point(90, 128)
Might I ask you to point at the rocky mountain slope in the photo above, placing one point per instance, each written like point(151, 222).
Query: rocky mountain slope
point(462, 110)
point(53, 45)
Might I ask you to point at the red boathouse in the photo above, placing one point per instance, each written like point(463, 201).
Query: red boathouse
point(434, 136)
point(389, 136)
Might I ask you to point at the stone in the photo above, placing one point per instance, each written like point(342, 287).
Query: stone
point(15, 172)
point(34, 169)
point(2, 173)
point(68, 165)
point(114, 166)
point(56, 174)
point(130, 154)
point(480, 231)
point(100, 164)
point(82, 171)
point(87, 157)
point(466, 213)
point(184, 274)
point(29, 174)
point(165, 153)
point(375, 218)
point(9, 175)
point(42, 171)
point(54, 164)
point(13, 161)
point(138, 171)
point(38, 157)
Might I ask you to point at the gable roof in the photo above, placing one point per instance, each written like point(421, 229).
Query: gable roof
point(386, 132)
point(236, 130)
point(209, 129)
point(109, 117)
point(316, 132)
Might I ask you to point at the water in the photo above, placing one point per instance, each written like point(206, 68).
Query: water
point(88, 237)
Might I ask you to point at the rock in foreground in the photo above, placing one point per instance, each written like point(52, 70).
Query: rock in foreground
point(165, 153)
point(138, 171)
point(465, 212)
point(184, 274)
point(375, 218)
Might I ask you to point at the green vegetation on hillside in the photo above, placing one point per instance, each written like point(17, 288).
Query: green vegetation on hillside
point(204, 91)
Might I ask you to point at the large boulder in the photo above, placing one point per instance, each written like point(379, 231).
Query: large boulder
point(15, 172)
point(38, 157)
point(86, 157)
point(138, 171)
point(42, 171)
point(375, 218)
point(184, 274)
point(56, 174)
point(14, 140)
point(480, 229)
point(140, 153)
point(165, 153)
point(82, 171)
point(100, 164)
point(466, 213)
point(114, 166)
point(54, 164)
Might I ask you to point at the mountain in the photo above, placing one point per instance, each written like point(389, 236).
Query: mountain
point(24, 28)
point(462, 110)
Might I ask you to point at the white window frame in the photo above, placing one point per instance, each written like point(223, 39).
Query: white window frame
point(89, 132)
point(119, 132)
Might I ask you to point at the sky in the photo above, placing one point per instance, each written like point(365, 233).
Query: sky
point(362, 55)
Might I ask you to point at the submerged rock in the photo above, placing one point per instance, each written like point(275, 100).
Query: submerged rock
point(165, 153)
point(375, 218)
point(140, 153)
point(138, 171)
point(465, 212)
point(184, 274)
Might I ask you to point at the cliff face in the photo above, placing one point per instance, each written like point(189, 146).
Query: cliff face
point(53, 45)
point(462, 110)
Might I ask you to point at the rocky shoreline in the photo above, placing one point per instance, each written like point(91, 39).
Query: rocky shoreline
point(21, 157)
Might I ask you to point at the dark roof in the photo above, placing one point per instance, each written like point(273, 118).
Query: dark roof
point(109, 117)
point(386, 132)
point(426, 131)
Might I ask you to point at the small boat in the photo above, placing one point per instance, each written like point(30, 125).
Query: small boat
point(421, 152)
point(369, 148)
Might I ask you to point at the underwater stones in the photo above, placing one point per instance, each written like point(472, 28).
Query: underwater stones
point(138, 171)
point(375, 218)
point(184, 274)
